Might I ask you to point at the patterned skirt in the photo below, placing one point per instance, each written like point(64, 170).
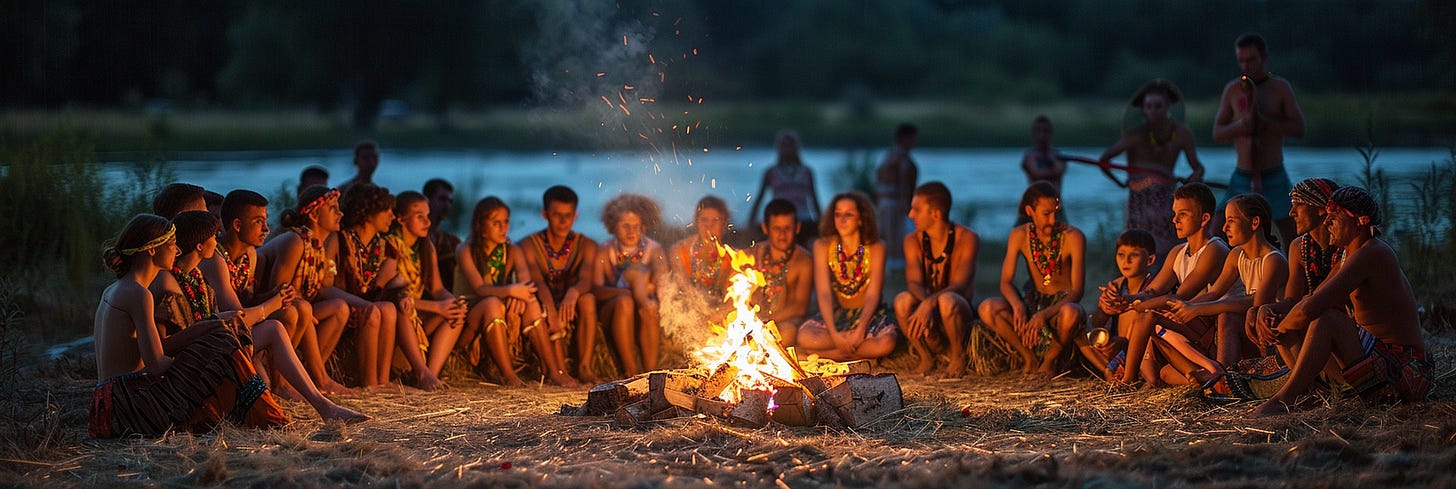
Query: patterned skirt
point(210, 381)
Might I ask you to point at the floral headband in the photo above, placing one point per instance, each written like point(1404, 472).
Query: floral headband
point(332, 194)
point(165, 237)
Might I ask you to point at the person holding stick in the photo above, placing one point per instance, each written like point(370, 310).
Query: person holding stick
point(1152, 149)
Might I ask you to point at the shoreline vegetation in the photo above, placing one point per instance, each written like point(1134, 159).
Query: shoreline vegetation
point(1409, 119)
point(1071, 430)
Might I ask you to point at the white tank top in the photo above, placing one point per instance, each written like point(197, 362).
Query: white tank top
point(1251, 269)
point(1184, 262)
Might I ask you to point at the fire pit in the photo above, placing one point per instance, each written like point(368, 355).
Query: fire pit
point(746, 377)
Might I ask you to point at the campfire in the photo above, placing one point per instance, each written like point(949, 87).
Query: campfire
point(744, 375)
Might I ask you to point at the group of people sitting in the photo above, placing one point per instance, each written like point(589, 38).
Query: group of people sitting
point(214, 313)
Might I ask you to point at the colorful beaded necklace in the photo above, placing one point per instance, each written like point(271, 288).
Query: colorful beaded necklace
point(628, 259)
point(1046, 262)
point(240, 271)
point(554, 274)
point(775, 276)
point(1318, 261)
point(199, 295)
point(845, 284)
point(368, 258)
point(706, 271)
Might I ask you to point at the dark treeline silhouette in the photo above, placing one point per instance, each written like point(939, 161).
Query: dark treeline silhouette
point(437, 55)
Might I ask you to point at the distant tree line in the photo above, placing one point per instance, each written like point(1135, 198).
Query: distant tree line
point(438, 55)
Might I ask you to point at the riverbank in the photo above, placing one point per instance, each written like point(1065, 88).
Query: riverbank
point(1336, 120)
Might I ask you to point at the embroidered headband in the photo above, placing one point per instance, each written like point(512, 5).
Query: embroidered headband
point(165, 237)
point(330, 195)
point(1313, 191)
point(1355, 202)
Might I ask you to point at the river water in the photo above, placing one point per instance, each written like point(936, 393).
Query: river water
point(986, 182)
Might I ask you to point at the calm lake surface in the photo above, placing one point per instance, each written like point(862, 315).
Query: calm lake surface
point(986, 182)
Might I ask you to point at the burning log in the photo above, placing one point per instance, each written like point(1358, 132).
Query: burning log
point(748, 379)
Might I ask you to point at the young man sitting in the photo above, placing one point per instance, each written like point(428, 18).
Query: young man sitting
point(1379, 346)
point(1040, 321)
point(940, 269)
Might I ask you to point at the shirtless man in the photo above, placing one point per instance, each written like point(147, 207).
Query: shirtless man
point(233, 273)
point(788, 271)
point(1189, 270)
point(564, 261)
point(1041, 322)
point(1041, 161)
point(1379, 347)
point(1256, 113)
point(940, 272)
point(894, 182)
point(1311, 256)
point(1152, 153)
point(366, 160)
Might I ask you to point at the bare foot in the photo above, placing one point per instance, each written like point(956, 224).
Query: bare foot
point(1270, 407)
point(1029, 365)
point(331, 387)
point(927, 363)
point(513, 381)
point(956, 370)
point(343, 414)
point(427, 381)
point(560, 378)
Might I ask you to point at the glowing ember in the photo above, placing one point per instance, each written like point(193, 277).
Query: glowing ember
point(745, 344)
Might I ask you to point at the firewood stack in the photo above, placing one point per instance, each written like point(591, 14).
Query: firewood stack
point(842, 400)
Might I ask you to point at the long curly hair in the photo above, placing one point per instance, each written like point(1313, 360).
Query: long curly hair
point(642, 205)
point(363, 200)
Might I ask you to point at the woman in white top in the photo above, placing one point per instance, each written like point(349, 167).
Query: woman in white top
point(1258, 265)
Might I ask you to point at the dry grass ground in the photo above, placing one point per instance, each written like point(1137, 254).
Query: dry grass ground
point(996, 431)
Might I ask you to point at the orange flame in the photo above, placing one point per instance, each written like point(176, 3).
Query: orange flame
point(744, 342)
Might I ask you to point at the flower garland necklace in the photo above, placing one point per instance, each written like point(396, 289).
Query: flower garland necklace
point(1046, 263)
point(775, 275)
point(705, 272)
point(370, 258)
point(848, 285)
point(240, 272)
point(933, 272)
point(627, 259)
point(553, 274)
point(552, 254)
point(199, 295)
